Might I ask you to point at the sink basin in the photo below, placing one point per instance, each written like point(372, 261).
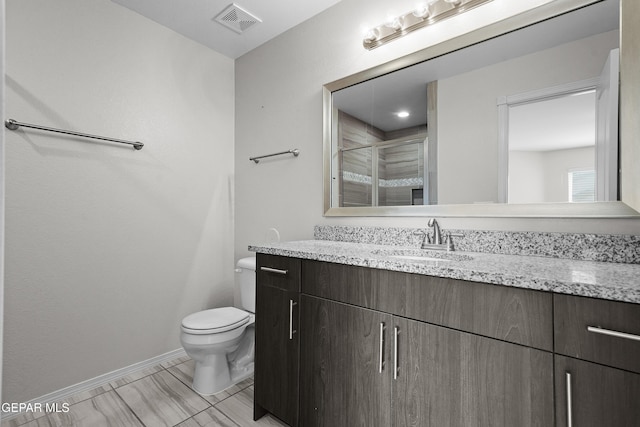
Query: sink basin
point(419, 258)
point(422, 255)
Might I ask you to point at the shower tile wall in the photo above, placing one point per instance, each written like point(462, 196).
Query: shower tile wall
point(395, 164)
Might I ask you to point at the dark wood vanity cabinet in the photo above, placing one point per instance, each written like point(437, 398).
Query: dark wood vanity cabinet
point(366, 363)
point(597, 362)
point(384, 348)
point(277, 339)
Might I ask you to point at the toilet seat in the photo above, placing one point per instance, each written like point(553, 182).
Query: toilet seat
point(214, 321)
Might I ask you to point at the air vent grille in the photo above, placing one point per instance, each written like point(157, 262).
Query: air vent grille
point(236, 18)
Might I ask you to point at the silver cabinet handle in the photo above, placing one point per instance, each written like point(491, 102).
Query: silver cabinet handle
point(291, 331)
point(381, 346)
point(611, 333)
point(395, 353)
point(569, 402)
point(274, 270)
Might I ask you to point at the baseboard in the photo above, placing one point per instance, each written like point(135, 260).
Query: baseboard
point(101, 380)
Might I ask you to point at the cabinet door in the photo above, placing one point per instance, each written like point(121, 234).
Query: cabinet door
point(277, 354)
point(451, 378)
point(595, 395)
point(342, 383)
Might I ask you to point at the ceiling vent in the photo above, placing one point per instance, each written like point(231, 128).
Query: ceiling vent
point(236, 18)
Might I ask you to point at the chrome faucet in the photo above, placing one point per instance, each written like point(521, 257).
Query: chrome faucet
point(435, 241)
point(437, 237)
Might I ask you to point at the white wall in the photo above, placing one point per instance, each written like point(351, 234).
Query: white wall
point(279, 106)
point(541, 176)
point(107, 248)
point(526, 177)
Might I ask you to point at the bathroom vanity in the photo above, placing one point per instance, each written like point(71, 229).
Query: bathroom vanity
point(358, 334)
point(516, 329)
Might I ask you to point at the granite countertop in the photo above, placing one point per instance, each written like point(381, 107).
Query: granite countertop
point(611, 281)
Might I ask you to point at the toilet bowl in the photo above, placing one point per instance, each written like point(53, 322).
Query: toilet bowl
point(221, 341)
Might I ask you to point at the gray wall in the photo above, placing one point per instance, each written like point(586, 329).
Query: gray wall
point(287, 193)
point(107, 248)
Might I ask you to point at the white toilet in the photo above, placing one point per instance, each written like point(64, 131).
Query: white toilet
point(221, 341)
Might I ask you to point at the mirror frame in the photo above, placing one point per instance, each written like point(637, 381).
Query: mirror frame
point(628, 129)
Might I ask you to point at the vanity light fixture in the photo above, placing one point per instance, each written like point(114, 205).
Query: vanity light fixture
point(402, 114)
point(430, 12)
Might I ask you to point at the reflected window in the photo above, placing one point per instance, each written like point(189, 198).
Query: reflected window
point(582, 185)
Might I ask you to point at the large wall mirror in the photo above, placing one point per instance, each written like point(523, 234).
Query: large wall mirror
point(516, 119)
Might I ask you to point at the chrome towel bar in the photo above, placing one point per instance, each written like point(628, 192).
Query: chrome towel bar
point(294, 151)
point(15, 125)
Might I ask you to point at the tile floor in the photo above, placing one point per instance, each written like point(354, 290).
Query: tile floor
point(157, 397)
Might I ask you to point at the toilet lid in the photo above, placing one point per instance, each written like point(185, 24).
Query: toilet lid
point(215, 320)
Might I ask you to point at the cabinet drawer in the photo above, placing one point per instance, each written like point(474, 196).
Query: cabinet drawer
point(361, 286)
point(520, 316)
point(587, 328)
point(278, 271)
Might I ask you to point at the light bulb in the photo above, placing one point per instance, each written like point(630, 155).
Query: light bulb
point(421, 12)
point(371, 35)
point(395, 23)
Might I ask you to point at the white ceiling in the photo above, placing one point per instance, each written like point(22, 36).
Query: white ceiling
point(194, 19)
point(554, 124)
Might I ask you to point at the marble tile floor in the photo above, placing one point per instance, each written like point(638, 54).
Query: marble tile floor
point(156, 397)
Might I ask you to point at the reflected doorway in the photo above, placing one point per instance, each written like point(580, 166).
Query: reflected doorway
point(560, 144)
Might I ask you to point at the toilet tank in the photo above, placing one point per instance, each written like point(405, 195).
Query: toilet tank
point(246, 282)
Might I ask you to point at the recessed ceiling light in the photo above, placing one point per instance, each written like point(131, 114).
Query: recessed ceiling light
point(402, 114)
